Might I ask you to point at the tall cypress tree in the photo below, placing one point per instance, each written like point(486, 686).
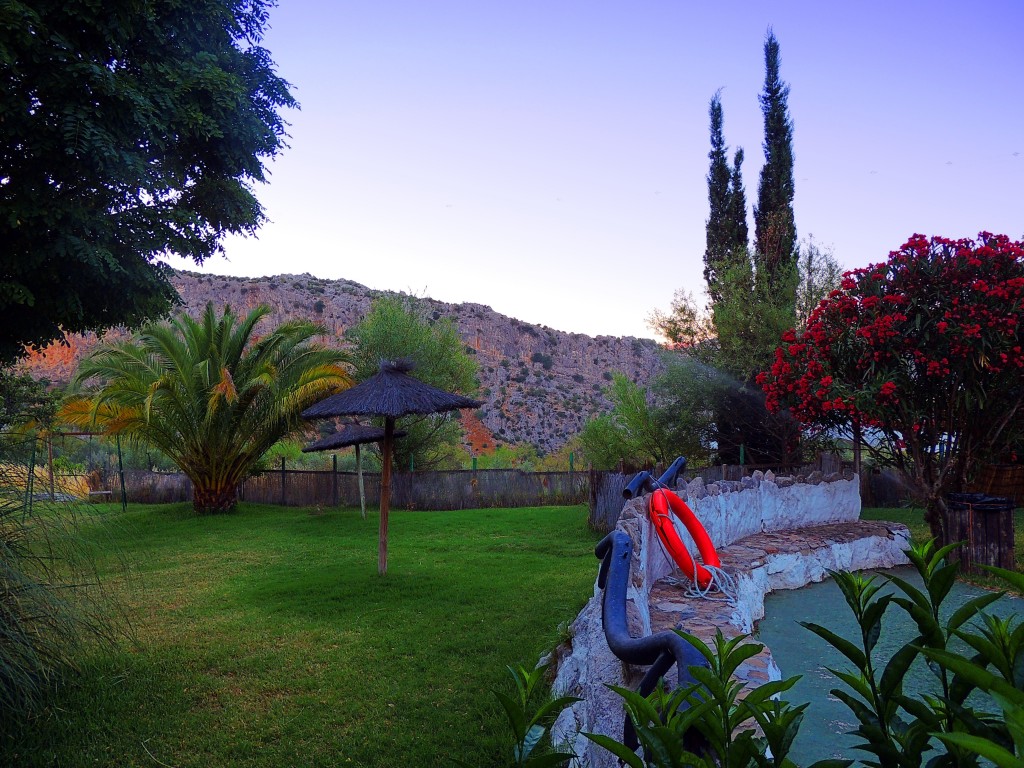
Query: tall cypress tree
point(775, 242)
point(737, 214)
point(718, 235)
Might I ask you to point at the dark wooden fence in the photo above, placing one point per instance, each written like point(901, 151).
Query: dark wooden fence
point(459, 489)
point(606, 500)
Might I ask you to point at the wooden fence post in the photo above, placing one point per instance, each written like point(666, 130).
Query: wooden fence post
point(284, 493)
point(334, 480)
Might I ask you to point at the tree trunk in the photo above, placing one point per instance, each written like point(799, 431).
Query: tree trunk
point(213, 499)
point(935, 516)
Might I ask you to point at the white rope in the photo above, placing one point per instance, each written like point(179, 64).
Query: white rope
point(721, 582)
point(722, 586)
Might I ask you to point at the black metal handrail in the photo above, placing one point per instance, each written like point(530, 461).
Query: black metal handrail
point(660, 650)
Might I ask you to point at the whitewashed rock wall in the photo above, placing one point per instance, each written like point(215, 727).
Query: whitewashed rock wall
point(729, 512)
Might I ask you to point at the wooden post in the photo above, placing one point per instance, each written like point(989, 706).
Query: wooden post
point(334, 479)
point(284, 495)
point(385, 497)
point(362, 489)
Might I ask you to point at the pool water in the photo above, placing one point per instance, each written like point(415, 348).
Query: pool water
point(798, 651)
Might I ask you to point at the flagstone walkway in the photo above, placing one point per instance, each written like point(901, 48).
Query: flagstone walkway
point(764, 560)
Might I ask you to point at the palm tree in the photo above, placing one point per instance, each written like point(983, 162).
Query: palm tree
point(208, 393)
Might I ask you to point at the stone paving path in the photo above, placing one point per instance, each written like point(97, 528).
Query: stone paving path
point(671, 608)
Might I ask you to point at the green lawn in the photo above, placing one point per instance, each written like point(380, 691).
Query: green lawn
point(266, 637)
point(914, 520)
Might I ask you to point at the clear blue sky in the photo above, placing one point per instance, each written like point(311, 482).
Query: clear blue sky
point(549, 158)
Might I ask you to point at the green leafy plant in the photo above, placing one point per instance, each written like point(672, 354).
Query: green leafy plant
point(999, 644)
point(530, 722)
point(207, 393)
point(51, 600)
point(898, 730)
point(711, 723)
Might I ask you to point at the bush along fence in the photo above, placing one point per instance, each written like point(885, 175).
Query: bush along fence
point(457, 489)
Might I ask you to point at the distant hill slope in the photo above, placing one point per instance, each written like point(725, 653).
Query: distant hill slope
point(539, 385)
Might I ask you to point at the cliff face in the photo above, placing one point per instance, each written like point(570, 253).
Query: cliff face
point(539, 385)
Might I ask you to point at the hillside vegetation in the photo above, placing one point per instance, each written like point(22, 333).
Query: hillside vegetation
point(540, 386)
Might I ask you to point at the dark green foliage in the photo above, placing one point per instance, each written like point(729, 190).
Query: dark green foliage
point(50, 601)
point(717, 245)
point(23, 400)
point(898, 730)
point(631, 433)
point(726, 235)
point(128, 130)
point(736, 216)
point(544, 360)
point(707, 724)
point(400, 327)
point(529, 719)
point(775, 244)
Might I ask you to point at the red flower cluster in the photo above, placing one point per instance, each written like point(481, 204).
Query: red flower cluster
point(939, 317)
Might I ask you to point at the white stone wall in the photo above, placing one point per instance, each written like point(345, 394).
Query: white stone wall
point(729, 512)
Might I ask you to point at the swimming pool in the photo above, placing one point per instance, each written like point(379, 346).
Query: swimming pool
point(798, 651)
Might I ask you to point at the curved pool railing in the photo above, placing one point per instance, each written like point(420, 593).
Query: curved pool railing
point(661, 650)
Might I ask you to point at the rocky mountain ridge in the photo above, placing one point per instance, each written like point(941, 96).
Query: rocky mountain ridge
point(540, 385)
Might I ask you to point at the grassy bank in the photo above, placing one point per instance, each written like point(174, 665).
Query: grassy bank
point(266, 637)
point(914, 520)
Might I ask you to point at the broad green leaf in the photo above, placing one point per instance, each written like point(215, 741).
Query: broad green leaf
point(896, 669)
point(855, 680)
point(865, 715)
point(530, 741)
point(514, 713)
point(987, 749)
point(919, 597)
point(982, 678)
point(970, 608)
point(553, 707)
point(841, 644)
point(617, 748)
point(940, 555)
point(1014, 578)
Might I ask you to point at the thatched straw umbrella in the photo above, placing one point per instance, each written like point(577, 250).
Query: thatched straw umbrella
point(391, 393)
point(352, 434)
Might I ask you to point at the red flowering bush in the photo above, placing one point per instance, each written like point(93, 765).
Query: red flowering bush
point(924, 351)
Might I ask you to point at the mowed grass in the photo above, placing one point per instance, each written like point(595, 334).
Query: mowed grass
point(267, 638)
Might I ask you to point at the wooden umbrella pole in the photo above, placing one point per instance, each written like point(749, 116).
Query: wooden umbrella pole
point(385, 497)
point(362, 490)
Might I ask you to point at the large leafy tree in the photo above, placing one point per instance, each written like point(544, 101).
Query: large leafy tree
point(925, 352)
point(129, 129)
point(208, 393)
point(402, 327)
point(775, 244)
point(631, 433)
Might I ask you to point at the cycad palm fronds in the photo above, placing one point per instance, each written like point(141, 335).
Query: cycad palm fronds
point(208, 393)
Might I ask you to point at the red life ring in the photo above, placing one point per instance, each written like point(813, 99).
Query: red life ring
point(661, 501)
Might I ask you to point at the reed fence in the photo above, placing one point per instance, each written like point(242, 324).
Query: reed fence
point(458, 489)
